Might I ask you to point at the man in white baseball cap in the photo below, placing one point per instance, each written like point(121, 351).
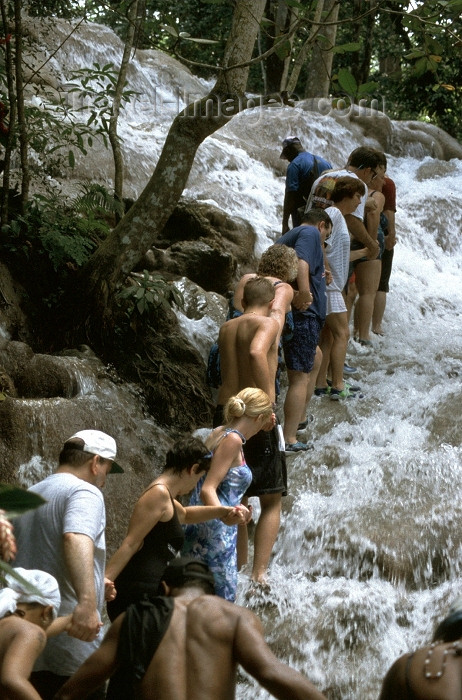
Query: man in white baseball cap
point(97, 443)
point(66, 538)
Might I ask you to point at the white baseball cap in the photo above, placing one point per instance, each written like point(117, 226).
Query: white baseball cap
point(98, 443)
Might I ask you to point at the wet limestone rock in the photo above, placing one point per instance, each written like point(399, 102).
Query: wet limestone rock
point(203, 243)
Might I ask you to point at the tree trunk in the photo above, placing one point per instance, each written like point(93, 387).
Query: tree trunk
point(144, 222)
point(121, 80)
point(365, 66)
point(22, 126)
point(276, 66)
point(9, 68)
point(302, 56)
point(320, 65)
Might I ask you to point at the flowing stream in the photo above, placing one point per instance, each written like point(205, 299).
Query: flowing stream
point(369, 553)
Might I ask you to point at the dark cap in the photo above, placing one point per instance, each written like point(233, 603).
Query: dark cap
point(180, 569)
point(289, 141)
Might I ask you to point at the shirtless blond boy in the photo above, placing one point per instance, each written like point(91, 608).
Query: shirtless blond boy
point(248, 344)
point(248, 354)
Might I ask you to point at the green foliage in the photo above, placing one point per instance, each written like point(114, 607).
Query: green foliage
point(55, 237)
point(15, 501)
point(95, 88)
point(54, 8)
point(346, 85)
point(150, 291)
point(95, 200)
point(89, 92)
point(195, 30)
point(415, 61)
point(49, 229)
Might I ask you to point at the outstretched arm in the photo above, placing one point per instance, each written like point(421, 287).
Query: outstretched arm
point(289, 206)
point(61, 624)
point(96, 669)
point(198, 514)
point(256, 657)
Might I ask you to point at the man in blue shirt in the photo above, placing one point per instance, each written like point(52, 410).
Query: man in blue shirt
point(303, 169)
point(301, 354)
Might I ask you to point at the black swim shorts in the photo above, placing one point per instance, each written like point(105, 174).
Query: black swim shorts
point(267, 464)
point(265, 460)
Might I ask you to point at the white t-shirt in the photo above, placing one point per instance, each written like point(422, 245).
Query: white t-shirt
point(338, 250)
point(73, 505)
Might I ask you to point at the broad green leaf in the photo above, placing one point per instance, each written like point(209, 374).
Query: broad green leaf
point(283, 49)
point(342, 48)
point(347, 81)
point(170, 30)
point(200, 41)
point(366, 88)
point(71, 158)
point(14, 500)
point(420, 67)
point(418, 53)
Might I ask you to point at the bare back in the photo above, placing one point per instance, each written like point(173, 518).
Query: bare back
point(195, 658)
point(406, 678)
point(198, 657)
point(20, 644)
point(248, 355)
point(200, 647)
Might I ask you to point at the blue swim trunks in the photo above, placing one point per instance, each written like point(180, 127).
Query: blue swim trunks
point(300, 350)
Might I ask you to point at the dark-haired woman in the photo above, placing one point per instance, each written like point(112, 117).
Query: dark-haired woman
point(154, 533)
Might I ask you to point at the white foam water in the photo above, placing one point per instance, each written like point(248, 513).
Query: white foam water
point(369, 553)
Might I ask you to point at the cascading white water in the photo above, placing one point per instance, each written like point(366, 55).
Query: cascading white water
point(369, 553)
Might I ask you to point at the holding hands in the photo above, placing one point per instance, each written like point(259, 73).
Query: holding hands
point(237, 515)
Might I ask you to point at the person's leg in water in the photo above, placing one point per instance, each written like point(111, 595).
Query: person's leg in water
point(266, 532)
point(381, 295)
point(367, 281)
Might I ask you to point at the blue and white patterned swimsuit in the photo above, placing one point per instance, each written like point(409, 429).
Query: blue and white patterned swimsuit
point(213, 541)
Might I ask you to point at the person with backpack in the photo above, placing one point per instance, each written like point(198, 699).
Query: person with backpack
point(303, 169)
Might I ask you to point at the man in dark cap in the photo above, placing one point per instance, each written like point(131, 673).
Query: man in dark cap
point(303, 169)
point(185, 645)
point(433, 672)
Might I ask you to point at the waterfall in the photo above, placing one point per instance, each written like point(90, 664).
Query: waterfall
point(369, 554)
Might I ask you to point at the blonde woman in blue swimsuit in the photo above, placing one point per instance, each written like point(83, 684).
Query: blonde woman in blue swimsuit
point(225, 484)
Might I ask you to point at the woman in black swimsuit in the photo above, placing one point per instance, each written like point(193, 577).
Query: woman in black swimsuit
point(154, 533)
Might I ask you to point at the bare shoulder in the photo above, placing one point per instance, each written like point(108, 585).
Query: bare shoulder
point(216, 611)
point(156, 490)
point(23, 631)
point(394, 680)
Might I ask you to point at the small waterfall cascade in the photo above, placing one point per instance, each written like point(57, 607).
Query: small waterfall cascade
point(369, 554)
